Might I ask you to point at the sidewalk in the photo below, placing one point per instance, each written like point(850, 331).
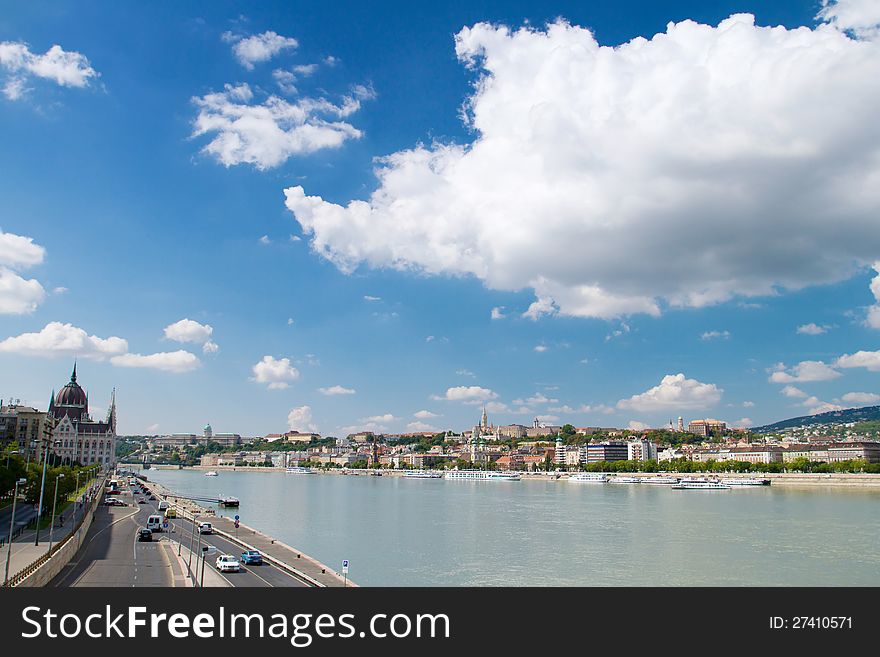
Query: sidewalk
point(24, 552)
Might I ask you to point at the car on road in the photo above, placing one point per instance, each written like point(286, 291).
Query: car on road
point(145, 534)
point(154, 523)
point(227, 563)
point(252, 558)
point(163, 505)
point(206, 528)
point(112, 501)
point(141, 500)
point(153, 497)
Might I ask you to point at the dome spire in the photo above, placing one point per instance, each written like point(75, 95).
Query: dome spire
point(73, 376)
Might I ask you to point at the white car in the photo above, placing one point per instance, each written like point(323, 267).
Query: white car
point(206, 528)
point(226, 563)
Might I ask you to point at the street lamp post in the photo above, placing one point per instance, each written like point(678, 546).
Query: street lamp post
point(202, 578)
point(18, 483)
point(42, 489)
point(54, 502)
point(76, 492)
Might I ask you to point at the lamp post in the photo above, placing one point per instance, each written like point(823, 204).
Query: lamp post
point(202, 578)
point(76, 492)
point(18, 483)
point(42, 489)
point(54, 502)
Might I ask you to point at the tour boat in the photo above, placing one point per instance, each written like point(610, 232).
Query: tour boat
point(625, 480)
point(227, 500)
point(589, 478)
point(482, 475)
point(422, 474)
point(745, 481)
point(298, 469)
point(660, 481)
point(210, 473)
point(700, 484)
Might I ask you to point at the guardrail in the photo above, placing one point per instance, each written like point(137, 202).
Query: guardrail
point(266, 557)
point(28, 570)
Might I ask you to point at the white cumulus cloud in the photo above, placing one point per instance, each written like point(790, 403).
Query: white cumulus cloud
point(58, 339)
point(64, 67)
point(861, 398)
point(265, 134)
point(812, 329)
point(258, 47)
point(336, 390)
point(468, 394)
point(862, 17)
point(425, 415)
point(277, 373)
point(866, 359)
point(300, 419)
point(18, 295)
point(792, 391)
point(674, 391)
point(167, 361)
point(805, 371)
point(873, 319)
point(711, 145)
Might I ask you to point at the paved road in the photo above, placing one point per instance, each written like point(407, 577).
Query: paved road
point(112, 556)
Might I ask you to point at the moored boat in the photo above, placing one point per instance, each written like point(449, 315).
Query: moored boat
point(700, 484)
point(298, 469)
point(482, 475)
point(589, 478)
point(210, 473)
point(660, 480)
point(625, 480)
point(745, 481)
point(422, 474)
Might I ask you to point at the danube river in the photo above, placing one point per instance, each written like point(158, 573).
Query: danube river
point(433, 532)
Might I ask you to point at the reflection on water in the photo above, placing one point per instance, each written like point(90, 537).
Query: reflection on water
point(433, 532)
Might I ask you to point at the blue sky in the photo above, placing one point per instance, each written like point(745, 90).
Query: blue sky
point(616, 263)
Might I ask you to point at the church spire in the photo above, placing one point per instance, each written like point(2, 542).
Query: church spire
point(52, 401)
point(73, 376)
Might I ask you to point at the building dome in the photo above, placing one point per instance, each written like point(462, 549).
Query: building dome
point(71, 400)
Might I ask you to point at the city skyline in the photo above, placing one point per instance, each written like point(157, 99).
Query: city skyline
point(345, 218)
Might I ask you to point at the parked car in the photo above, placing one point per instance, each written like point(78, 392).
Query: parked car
point(145, 534)
point(206, 528)
point(227, 563)
point(252, 558)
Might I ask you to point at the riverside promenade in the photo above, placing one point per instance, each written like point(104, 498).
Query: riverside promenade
point(311, 571)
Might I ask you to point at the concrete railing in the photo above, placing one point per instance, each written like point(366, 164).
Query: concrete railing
point(44, 569)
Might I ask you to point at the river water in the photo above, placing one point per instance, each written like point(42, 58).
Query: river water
point(434, 532)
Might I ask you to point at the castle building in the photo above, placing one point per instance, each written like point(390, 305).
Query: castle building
point(78, 437)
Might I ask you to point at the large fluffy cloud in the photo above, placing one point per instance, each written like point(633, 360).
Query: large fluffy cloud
point(300, 419)
point(57, 339)
point(467, 394)
point(276, 372)
point(867, 359)
point(265, 134)
point(19, 296)
point(188, 330)
point(715, 160)
point(675, 391)
point(65, 68)
point(805, 371)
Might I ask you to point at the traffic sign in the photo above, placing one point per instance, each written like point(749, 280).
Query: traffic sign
point(237, 517)
point(165, 525)
point(236, 524)
point(345, 566)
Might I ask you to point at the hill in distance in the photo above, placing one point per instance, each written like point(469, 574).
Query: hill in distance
point(847, 415)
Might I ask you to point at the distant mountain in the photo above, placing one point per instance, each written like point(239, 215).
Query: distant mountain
point(832, 417)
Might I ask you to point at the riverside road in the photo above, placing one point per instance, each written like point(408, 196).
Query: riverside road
point(112, 556)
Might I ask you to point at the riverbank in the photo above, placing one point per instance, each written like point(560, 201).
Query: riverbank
point(280, 554)
point(811, 479)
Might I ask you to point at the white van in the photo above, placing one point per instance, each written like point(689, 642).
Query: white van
point(154, 523)
point(163, 505)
